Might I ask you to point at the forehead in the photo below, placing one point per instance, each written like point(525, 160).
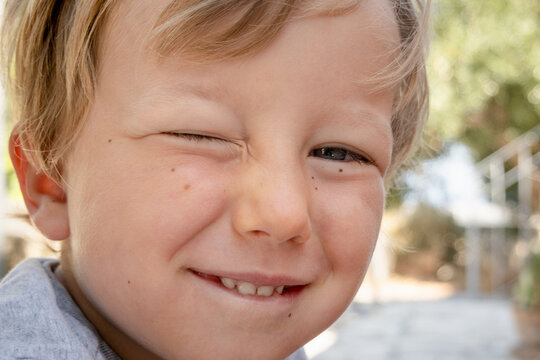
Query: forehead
point(135, 23)
point(309, 55)
point(313, 56)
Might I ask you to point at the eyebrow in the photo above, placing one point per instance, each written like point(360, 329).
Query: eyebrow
point(357, 116)
point(350, 114)
point(175, 92)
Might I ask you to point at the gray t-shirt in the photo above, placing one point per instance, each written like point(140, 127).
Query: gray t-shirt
point(40, 320)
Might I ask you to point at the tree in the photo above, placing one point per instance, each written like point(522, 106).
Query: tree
point(484, 71)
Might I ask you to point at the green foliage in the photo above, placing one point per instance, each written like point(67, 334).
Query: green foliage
point(527, 290)
point(433, 229)
point(484, 71)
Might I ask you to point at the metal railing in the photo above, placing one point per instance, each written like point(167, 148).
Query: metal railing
point(525, 171)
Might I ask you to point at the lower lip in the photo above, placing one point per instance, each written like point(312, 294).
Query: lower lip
point(288, 295)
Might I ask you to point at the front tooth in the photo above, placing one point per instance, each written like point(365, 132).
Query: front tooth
point(265, 290)
point(245, 288)
point(228, 283)
point(279, 289)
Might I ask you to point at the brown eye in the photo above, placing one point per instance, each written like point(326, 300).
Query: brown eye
point(330, 153)
point(338, 154)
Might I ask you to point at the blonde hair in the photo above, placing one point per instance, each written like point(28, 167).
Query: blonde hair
point(50, 57)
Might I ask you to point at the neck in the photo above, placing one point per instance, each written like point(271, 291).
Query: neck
point(124, 346)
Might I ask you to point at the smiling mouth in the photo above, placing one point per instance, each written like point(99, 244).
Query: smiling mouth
point(249, 289)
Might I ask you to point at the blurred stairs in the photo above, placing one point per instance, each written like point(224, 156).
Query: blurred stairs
point(524, 154)
point(512, 170)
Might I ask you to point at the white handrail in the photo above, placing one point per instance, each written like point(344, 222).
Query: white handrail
point(528, 139)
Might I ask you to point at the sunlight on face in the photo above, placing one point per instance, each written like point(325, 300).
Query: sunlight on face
point(230, 210)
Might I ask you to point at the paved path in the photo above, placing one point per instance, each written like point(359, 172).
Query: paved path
point(457, 328)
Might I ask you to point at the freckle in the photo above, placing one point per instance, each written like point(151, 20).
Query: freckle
point(316, 188)
point(340, 170)
point(290, 314)
point(110, 140)
point(187, 186)
point(129, 282)
point(173, 169)
point(313, 178)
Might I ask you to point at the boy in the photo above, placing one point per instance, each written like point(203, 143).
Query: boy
point(215, 170)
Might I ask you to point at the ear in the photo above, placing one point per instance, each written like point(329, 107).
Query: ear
point(45, 199)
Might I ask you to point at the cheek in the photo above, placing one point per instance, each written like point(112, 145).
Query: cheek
point(133, 211)
point(349, 224)
point(346, 220)
point(130, 219)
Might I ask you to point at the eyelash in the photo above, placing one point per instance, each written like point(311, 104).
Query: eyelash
point(348, 156)
point(193, 137)
point(345, 155)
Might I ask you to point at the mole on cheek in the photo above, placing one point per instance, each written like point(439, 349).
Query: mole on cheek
point(129, 282)
point(290, 314)
point(187, 186)
point(173, 169)
point(316, 188)
point(340, 170)
point(313, 178)
point(109, 141)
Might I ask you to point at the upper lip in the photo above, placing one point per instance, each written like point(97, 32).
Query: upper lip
point(255, 278)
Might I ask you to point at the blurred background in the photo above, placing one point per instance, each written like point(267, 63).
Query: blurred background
point(456, 273)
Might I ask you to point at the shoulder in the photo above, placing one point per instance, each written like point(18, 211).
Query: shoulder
point(37, 318)
point(26, 285)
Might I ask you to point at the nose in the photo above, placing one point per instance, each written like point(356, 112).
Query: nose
point(272, 204)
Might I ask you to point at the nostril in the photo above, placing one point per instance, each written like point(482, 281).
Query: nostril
point(258, 233)
point(298, 239)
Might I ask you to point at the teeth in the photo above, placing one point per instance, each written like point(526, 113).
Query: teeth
point(228, 283)
point(246, 288)
point(265, 290)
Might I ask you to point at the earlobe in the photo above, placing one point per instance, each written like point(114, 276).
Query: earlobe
point(45, 199)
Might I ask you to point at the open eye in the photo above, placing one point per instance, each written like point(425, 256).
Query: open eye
point(339, 154)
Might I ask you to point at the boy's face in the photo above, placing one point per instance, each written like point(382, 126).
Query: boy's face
point(266, 170)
